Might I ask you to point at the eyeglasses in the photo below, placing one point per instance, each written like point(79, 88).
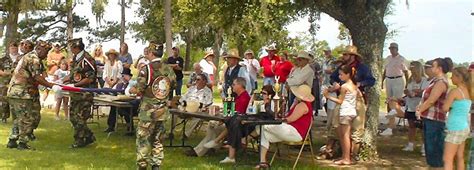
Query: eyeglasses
point(198, 79)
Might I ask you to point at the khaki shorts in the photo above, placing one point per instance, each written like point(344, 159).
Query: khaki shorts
point(346, 120)
point(456, 137)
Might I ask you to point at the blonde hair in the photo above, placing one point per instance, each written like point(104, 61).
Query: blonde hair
point(466, 78)
point(418, 72)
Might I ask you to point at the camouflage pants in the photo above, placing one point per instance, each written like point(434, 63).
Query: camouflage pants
point(80, 111)
point(149, 148)
point(24, 121)
point(36, 115)
point(4, 106)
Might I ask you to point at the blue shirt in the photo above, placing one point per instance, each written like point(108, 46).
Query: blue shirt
point(126, 58)
point(458, 115)
point(363, 76)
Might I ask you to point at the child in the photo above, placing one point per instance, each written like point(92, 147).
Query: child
point(458, 104)
point(347, 112)
point(58, 77)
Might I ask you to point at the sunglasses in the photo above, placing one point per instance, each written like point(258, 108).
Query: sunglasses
point(198, 79)
point(264, 93)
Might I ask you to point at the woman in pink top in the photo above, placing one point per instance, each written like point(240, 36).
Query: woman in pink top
point(294, 127)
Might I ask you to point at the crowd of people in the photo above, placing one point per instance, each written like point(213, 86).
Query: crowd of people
point(337, 85)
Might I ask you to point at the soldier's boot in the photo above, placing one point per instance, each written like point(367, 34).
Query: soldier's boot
point(142, 168)
point(155, 167)
point(32, 136)
point(12, 143)
point(90, 140)
point(24, 146)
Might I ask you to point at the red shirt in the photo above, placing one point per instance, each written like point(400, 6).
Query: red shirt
point(241, 102)
point(435, 112)
point(266, 63)
point(303, 123)
point(283, 69)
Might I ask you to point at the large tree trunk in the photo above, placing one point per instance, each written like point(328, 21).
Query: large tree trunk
point(189, 40)
point(364, 19)
point(217, 48)
point(70, 22)
point(168, 34)
point(122, 22)
point(11, 34)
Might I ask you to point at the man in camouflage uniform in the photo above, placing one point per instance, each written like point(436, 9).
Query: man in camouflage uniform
point(152, 109)
point(83, 74)
point(7, 64)
point(23, 94)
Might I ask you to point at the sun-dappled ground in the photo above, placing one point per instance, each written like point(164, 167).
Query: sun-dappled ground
point(118, 151)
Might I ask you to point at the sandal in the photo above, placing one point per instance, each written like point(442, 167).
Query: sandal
point(342, 162)
point(262, 165)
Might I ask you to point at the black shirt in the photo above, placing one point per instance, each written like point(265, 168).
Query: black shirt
point(177, 60)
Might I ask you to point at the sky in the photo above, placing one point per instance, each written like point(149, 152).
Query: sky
point(426, 29)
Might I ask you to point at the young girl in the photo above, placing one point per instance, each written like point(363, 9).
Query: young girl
point(58, 77)
point(347, 111)
point(458, 104)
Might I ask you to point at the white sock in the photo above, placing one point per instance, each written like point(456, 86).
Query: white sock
point(410, 144)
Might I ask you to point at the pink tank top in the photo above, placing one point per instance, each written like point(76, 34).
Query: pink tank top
point(303, 123)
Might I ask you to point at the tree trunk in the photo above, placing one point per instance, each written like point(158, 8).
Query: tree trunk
point(189, 40)
point(12, 25)
point(122, 22)
point(240, 47)
point(168, 34)
point(364, 19)
point(217, 48)
point(70, 22)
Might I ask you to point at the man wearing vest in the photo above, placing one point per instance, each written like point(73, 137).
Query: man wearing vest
point(154, 84)
point(233, 71)
point(83, 74)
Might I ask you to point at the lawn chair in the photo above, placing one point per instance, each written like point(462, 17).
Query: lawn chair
point(306, 141)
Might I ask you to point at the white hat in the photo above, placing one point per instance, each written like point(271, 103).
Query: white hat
point(192, 106)
point(304, 54)
point(303, 92)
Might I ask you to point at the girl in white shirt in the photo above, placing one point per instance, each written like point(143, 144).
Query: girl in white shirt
point(59, 75)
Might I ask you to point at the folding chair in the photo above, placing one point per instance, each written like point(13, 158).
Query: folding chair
point(306, 141)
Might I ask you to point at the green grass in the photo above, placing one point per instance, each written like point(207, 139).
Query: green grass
point(116, 152)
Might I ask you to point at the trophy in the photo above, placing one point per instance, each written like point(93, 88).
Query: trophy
point(229, 104)
point(276, 101)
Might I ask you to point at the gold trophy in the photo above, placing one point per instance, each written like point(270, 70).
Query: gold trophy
point(276, 98)
point(229, 104)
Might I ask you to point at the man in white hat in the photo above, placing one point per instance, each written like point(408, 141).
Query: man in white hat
point(268, 64)
point(233, 71)
point(253, 67)
point(394, 71)
point(302, 73)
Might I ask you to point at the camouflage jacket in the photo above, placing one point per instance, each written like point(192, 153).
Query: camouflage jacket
point(152, 107)
point(83, 67)
point(22, 84)
point(7, 65)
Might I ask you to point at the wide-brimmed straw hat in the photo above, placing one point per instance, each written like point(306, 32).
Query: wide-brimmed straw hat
point(270, 48)
point(351, 50)
point(233, 53)
point(111, 51)
point(304, 54)
point(209, 53)
point(303, 92)
point(248, 52)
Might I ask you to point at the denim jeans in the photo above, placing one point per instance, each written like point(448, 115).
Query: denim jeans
point(433, 132)
point(470, 165)
point(177, 90)
point(268, 81)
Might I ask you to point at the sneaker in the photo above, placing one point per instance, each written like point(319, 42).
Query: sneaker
point(211, 144)
point(57, 118)
point(392, 112)
point(387, 132)
point(227, 160)
point(408, 148)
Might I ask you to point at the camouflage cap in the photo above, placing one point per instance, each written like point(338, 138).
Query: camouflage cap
point(76, 42)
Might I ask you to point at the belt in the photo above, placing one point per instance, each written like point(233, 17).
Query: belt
point(396, 77)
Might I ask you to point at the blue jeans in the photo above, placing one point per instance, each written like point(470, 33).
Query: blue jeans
point(433, 132)
point(177, 90)
point(268, 81)
point(470, 165)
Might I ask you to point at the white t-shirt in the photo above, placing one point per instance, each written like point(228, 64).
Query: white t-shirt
point(61, 74)
point(249, 63)
point(412, 102)
point(206, 67)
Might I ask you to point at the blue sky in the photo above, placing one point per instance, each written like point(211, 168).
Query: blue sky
point(427, 29)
